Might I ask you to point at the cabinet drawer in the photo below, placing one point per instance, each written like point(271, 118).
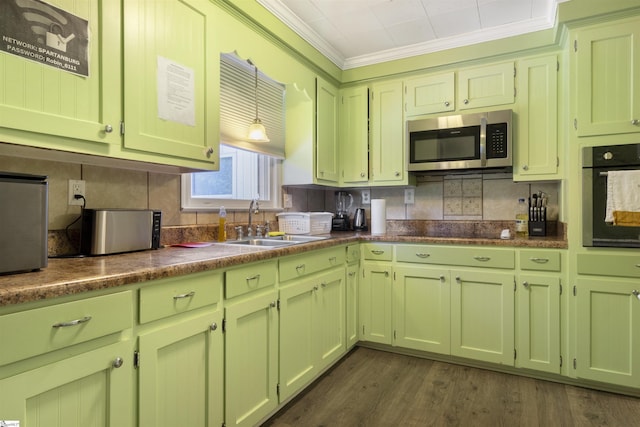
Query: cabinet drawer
point(164, 298)
point(377, 251)
point(455, 255)
point(38, 331)
point(302, 265)
point(609, 265)
point(539, 260)
point(249, 278)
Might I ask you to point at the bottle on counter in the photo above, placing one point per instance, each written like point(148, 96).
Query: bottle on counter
point(222, 220)
point(522, 218)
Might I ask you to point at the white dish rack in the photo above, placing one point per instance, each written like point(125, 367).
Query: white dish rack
point(305, 222)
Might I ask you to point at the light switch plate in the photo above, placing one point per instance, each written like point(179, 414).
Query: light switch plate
point(409, 196)
point(287, 200)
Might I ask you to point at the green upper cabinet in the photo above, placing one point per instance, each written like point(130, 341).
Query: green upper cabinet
point(327, 148)
point(486, 86)
point(171, 80)
point(607, 59)
point(536, 130)
point(388, 162)
point(354, 134)
point(45, 100)
point(430, 94)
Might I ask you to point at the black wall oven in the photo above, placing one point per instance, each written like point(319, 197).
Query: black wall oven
point(597, 162)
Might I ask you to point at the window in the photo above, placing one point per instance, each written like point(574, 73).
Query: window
point(247, 170)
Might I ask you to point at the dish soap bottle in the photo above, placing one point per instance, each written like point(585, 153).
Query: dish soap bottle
point(222, 230)
point(522, 219)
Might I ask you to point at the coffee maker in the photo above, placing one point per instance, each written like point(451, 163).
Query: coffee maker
point(341, 220)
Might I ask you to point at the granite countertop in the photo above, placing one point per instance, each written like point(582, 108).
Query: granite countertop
point(69, 276)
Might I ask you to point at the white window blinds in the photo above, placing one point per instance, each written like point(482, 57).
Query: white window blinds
point(238, 107)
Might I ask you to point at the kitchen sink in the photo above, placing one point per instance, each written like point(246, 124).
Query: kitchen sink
point(277, 241)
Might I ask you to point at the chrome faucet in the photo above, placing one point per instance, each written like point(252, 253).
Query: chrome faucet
point(254, 207)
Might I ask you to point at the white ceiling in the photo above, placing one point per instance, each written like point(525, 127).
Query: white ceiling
point(354, 33)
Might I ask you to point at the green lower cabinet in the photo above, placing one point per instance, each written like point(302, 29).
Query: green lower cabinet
point(376, 303)
point(312, 329)
point(421, 308)
point(251, 359)
point(608, 340)
point(90, 389)
point(351, 286)
point(181, 373)
point(538, 323)
point(482, 313)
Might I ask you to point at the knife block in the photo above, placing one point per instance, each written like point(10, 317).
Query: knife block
point(537, 228)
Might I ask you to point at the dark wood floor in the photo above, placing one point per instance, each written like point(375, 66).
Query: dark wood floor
point(376, 388)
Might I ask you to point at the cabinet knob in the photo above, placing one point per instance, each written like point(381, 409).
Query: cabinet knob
point(108, 128)
point(458, 279)
point(213, 326)
point(272, 304)
point(447, 103)
point(636, 293)
point(361, 174)
point(208, 152)
point(397, 173)
point(635, 122)
point(526, 285)
point(117, 362)
point(466, 101)
point(525, 167)
point(442, 278)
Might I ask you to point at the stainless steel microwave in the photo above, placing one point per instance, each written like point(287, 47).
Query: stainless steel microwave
point(463, 141)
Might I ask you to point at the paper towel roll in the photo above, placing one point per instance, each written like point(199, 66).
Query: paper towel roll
point(378, 216)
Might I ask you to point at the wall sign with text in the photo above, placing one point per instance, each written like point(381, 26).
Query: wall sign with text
point(40, 32)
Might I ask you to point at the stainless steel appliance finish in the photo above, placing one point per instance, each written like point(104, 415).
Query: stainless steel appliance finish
point(464, 141)
point(23, 222)
point(109, 231)
point(360, 220)
point(341, 221)
point(596, 163)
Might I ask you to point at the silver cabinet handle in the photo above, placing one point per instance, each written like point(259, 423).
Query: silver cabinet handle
point(75, 322)
point(525, 167)
point(187, 295)
point(208, 152)
point(299, 267)
point(422, 255)
point(323, 284)
point(458, 279)
point(636, 293)
point(361, 174)
point(332, 260)
point(539, 260)
point(482, 258)
point(447, 103)
point(397, 173)
point(635, 122)
point(377, 252)
point(386, 273)
point(213, 326)
point(526, 285)
point(466, 101)
point(250, 278)
point(352, 273)
point(117, 362)
point(108, 129)
point(315, 287)
point(442, 278)
point(272, 304)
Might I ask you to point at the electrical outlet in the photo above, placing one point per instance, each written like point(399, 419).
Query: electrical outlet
point(76, 187)
point(409, 196)
point(287, 200)
point(366, 197)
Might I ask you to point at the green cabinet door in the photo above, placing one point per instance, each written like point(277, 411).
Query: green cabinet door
point(171, 79)
point(608, 323)
point(351, 285)
point(486, 86)
point(251, 359)
point(298, 360)
point(376, 302)
point(354, 134)
point(388, 162)
point(430, 94)
point(536, 151)
point(607, 58)
point(46, 100)
point(89, 389)
point(331, 317)
point(538, 322)
point(181, 373)
point(421, 308)
point(482, 313)
point(327, 145)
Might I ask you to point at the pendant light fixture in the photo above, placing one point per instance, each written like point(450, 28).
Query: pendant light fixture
point(257, 132)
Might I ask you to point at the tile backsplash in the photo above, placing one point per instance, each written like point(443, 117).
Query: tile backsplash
point(457, 197)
